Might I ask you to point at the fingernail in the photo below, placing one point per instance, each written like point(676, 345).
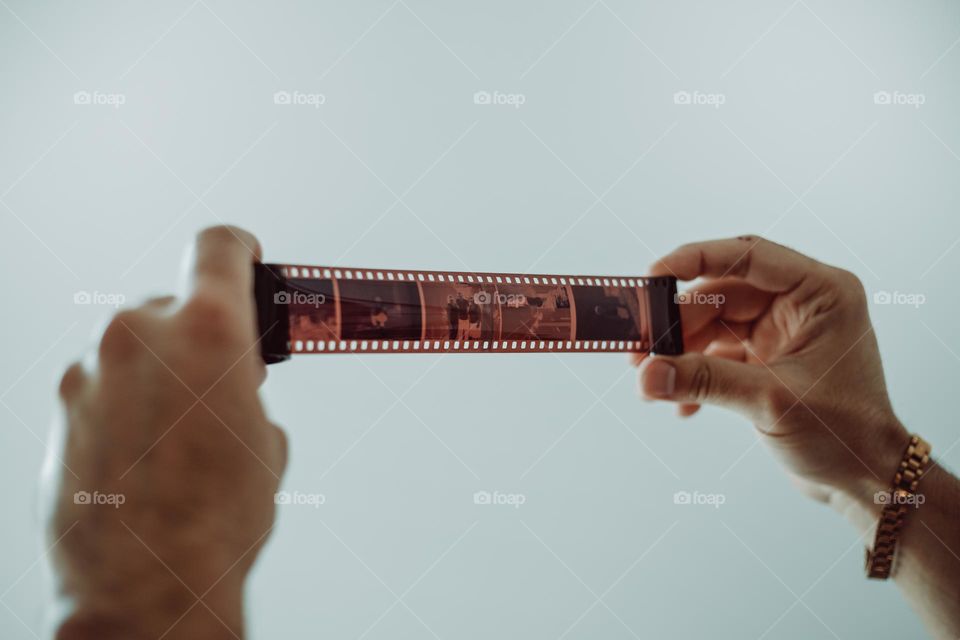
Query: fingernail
point(660, 379)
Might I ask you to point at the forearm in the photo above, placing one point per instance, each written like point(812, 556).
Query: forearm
point(927, 566)
point(196, 623)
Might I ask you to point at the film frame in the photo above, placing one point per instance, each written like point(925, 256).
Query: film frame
point(376, 311)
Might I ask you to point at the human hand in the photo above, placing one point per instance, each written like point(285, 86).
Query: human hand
point(166, 432)
point(787, 342)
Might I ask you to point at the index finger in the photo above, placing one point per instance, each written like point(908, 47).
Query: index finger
point(222, 260)
point(760, 262)
point(721, 300)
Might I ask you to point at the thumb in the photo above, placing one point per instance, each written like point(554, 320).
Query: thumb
point(700, 379)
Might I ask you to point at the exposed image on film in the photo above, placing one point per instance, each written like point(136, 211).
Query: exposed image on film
point(608, 313)
point(459, 311)
point(374, 310)
point(313, 309)
point(534, 311)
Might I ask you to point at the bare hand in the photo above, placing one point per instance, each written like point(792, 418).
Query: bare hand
point(160, 487)
point(787, 342)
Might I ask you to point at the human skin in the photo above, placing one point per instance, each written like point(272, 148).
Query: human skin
point(167, 415)
point(787, 342)
point(169, 418)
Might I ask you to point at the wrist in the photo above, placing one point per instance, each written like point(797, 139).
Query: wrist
point(194, 623)
point(877, 469)
point(859, 499)
point(171, 612)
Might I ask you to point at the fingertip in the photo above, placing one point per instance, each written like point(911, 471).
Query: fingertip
point(230, 233)
point(687, 410)
point(659, 268)
point(658, 378)
point(222, 256)
point(682, 263)
point(72, 381)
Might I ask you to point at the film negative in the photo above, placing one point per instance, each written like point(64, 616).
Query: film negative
point(322, 310)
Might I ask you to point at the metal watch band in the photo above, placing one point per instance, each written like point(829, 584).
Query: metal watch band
point(879, 564)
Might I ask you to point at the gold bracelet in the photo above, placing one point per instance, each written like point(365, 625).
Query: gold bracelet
point(912, 467)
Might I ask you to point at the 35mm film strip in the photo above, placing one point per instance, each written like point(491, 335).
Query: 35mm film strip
point(314, 309)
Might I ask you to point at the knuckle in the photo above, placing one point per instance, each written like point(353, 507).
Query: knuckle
point(209, 307)
point(159, 302)
point(210, 317)
point(777, 401)
point(751, 238)
point(121, 339)
point(283, 449)
point(850, 284)
point(701, 382)
point(849, 280)
point(740, 267)
point(72, 381)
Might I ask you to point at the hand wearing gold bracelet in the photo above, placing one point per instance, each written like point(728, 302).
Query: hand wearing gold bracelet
point(792, 348)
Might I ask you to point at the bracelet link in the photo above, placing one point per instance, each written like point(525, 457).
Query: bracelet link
point(879, 561)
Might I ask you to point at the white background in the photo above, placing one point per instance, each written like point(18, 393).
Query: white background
point(598, 171)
